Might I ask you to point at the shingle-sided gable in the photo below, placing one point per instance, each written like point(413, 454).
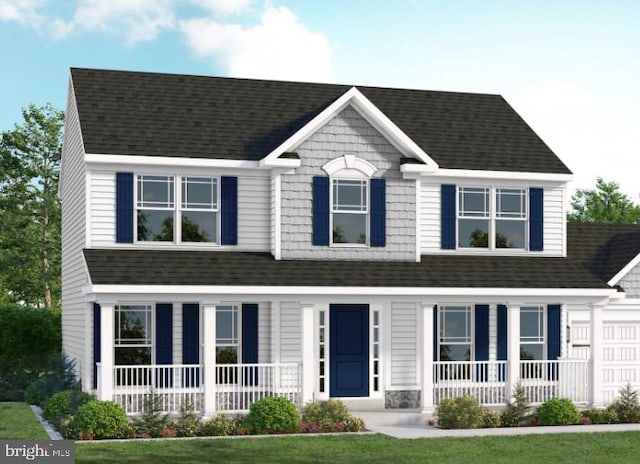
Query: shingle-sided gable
point(150, 114)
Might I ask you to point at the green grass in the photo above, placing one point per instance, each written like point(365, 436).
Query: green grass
point(582, 448)
point(17, 421)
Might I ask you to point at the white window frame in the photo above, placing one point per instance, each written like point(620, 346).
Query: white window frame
point(238, 330)
point(177, 209)
point(215, 208)
point(149, 341)
point(333, 209)
point(168, 206)
point(492, 215)
point(541, 339)
point(468, 340)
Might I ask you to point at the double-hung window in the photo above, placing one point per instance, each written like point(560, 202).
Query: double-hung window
point(193, 217)
point(532, 336)
point(227, 346)
point(492, 218)
point(454, 339)
point(349, 211)
point(132, 332)
point(155, 207)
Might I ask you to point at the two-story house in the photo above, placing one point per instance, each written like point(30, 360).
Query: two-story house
point(228, 239)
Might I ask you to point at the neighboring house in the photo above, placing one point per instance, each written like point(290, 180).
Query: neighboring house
point(228, 239)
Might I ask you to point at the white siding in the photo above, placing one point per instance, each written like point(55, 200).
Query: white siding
point(72, 196)
point(177, 333)
point(254, 224)
point(429, 218)
point(404, 344)
point(554, 221)
point(264, 332)
point(290, 332)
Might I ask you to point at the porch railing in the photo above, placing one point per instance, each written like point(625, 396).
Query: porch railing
point(237, 386)
point(489, 381)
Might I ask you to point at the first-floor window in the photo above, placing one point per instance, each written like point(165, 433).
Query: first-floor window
point(532, 341)
point(133, 340)
point(227, 347)
point(454, 333)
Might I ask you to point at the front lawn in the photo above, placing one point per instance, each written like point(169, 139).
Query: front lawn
point(583, 448)
point(17, 421)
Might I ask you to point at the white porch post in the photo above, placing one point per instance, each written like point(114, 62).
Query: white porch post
point(427, 357)
point(105, 374)
point(513, 348)
point(208, 362)
point(309, 380)
point(596, 355)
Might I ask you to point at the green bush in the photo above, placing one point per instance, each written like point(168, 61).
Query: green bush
point(152, 421)
point(515, 412)
point(600, 416)
point(326, 414)
point(99, 419)
point(490, 419)
point(627, 406)
point(187, 424)
point(354, 424)
point(220, 425)
point(35, 392)
point(463, 412)
point(558, 411)
point(64, 404)
point(273, 415)
point(56, 374)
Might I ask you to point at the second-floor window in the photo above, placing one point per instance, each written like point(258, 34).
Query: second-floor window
point(492, 218)
point(349, 211)
point(192, 218)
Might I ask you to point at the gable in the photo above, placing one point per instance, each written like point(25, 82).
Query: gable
point(166, 115)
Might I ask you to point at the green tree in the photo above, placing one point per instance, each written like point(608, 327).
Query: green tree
point(603, 204)
point(29, 208)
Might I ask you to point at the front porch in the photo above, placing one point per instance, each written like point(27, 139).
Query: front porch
point(237, 386)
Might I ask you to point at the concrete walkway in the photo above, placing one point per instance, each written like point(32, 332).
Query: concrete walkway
point(425, 431)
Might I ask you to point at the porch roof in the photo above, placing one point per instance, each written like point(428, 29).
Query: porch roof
point(595, 254)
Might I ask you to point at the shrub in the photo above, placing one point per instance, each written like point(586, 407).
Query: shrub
point(490, 419)
point(463, 412)
point(273, 415)
point(627, 406)
point(354, 424)
point(56, 374)
point(220, 425)
point(35, 392)
point(515, 412)
point(188, 424)
point(99, 419)
point(152, 421)
point(558, 411)
point(326, 414)
point(600, 416)
point(63, 404)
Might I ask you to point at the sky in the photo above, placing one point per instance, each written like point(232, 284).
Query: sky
point(571, 69)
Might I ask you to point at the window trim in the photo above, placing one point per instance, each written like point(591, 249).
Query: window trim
point(149, 308)
point(469, 310)
point(492, 218)
point(177, 211)
point(543, 338)
point(366, 213)
point(238, 309)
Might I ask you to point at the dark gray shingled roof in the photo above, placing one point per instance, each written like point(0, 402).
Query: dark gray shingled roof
point(588, 245)
point(157, 114)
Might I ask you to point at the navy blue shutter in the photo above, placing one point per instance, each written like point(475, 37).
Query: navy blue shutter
point(321, 211)
point(191, 340)
point(553, 337)
point(436, 332)
point(250, 342)
point(164, 343)
point(124, 207)
point(481, 340)
point(536, 219)
point(229, 210)
point(502, 340)
point(96, 342)
point(378, 213)
point(448, 217)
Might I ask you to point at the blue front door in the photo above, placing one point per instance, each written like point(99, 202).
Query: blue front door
point(349, 350)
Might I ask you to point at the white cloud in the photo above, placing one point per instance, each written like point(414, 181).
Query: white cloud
point(279, 47)
point(595, 134)
point(223, 7)
point(22, 11)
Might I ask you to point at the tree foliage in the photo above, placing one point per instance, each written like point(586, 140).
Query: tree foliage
point(604, 204)
point(29, 208)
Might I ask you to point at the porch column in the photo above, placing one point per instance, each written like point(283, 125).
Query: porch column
point(308, 356)
point(426, 395)
point(105, 371)
point(596, 313)
point(208, 361)
point(513, 348)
